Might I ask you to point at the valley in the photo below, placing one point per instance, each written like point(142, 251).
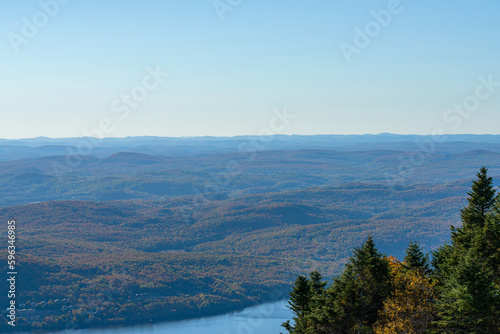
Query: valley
point(134, 233)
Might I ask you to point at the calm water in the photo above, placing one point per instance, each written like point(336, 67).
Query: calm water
point(262, 319)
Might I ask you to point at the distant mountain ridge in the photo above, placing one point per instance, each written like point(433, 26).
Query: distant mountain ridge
point(172, 146)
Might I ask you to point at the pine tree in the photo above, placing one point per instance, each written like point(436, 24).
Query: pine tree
point(354, 299)
point(373, 282)
point(481, 199)
point(317, 284)
point(415, 259)
point(467, 303)
point(381, 295)
point(442, 261)
point(299, 303)
point(307, 294)
point(487, 242)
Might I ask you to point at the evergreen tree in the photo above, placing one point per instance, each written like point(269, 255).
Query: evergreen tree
point(300, 298)
point(467, 303)
point(487, 242)
point(415, 259)
point(444, 259)
point(376, 294)
point(306, 295)
point(481, 199)
point(440, 259)
point(317, 290)
point(317, 284)
point(354, 299)
point(466, 269)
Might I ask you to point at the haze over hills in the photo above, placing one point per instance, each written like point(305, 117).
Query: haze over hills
point(183, 227)
point(180, 146)
point(153, 168)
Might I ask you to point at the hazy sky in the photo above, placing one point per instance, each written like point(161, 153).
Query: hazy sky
point(339, 67)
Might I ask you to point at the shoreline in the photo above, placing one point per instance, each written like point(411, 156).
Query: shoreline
point(126, 326)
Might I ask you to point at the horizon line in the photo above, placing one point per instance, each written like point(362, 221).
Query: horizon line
point(253, 135)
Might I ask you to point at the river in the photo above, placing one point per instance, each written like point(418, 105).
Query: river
point(261, 319)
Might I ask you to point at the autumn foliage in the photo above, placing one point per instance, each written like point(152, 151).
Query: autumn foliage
point(459, 293)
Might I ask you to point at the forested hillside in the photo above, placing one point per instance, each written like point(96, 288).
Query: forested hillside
point(91, 263)
point(176, 234)
point(458, 291)
point(251, 167)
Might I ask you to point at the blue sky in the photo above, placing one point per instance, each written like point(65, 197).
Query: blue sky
point(228, 72)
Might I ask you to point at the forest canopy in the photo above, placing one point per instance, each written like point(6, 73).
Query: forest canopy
point(458, 291)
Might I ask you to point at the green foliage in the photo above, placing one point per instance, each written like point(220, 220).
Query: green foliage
point(317, 284)
point(354, 298)
point(443, 261)
point(306, 295)
point(468, 300)
point(467, 270)
point(300, 299)
point(487, 242)
point(415, 259)
point(481, 199)
point(460, 295)
point(358, 294)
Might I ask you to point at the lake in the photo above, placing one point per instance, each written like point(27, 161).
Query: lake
point(261, 319)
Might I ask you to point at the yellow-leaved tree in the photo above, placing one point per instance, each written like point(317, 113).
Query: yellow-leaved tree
point(410, 307)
